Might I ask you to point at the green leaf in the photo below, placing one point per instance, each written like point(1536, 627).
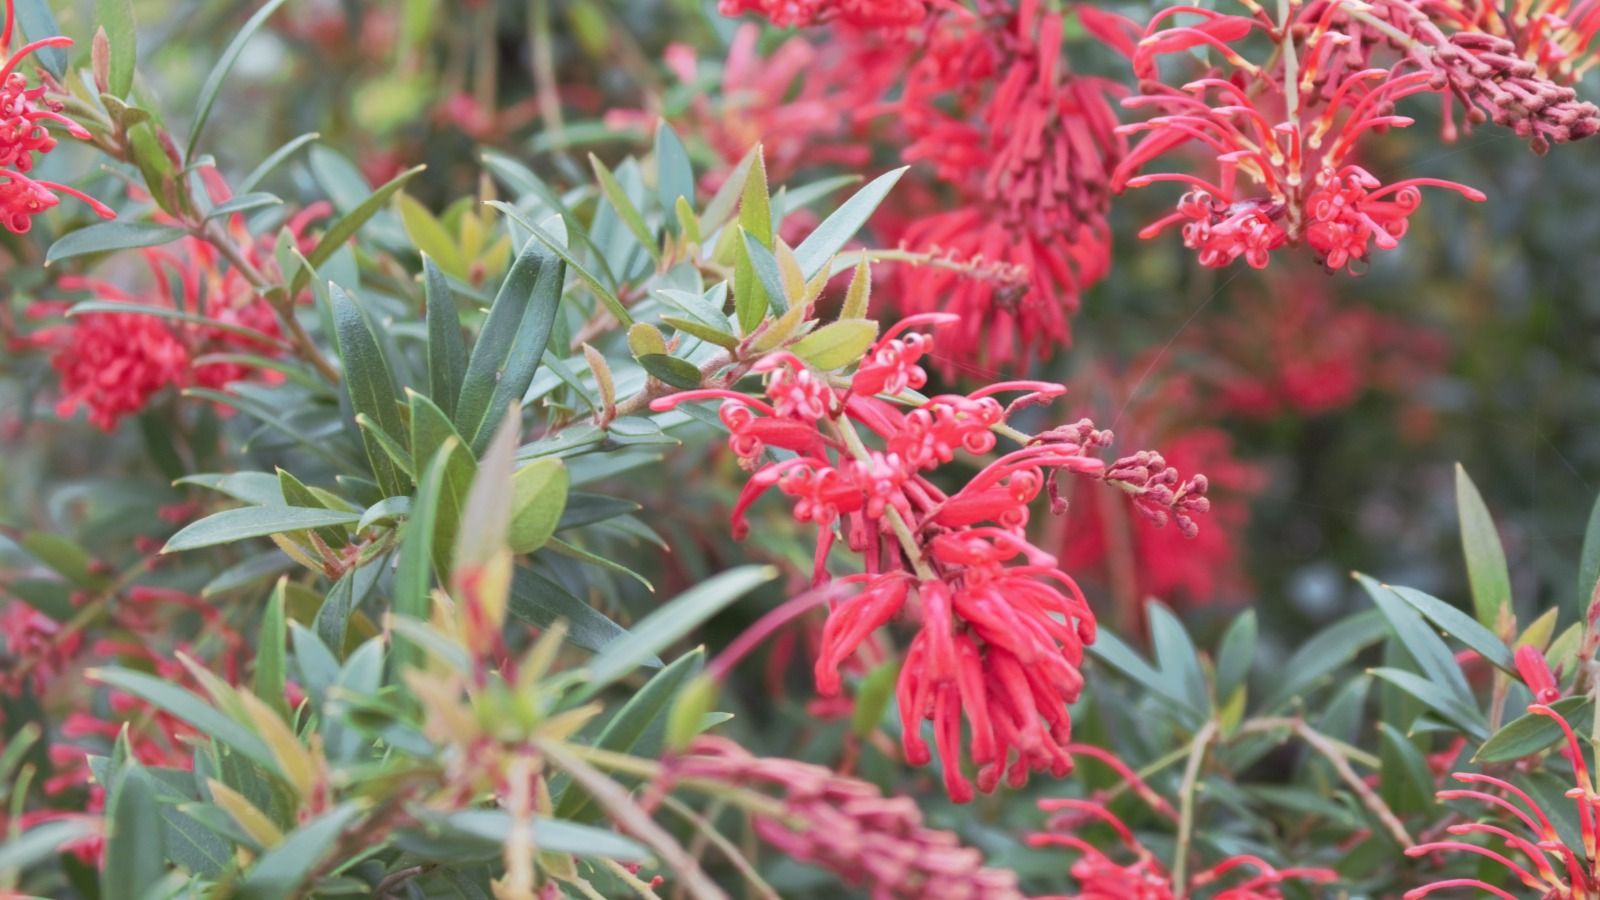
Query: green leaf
point(703, 332)
point(872, 698)
point(672, 621)
point(1439, 698)
point(837, 344)
point(273, 161)
point(270, 667)
point(674, 174)
point(447, 352)
point(687, 717)
point(297, 494)
point(1486, 560)
point(413, 579)
point(1176, 655)
point(429, 235)
point(618, 198)
point(189, 707)
point(91, 307)
point(347, 226)
point(1404, 776)
point(254, 521)
point(1236, 655)
point(722, 202)
point(765, 268)
point(1111, 650)
point(282, 871)
point(1330, 650)
point(37, 23)
point(135, 854)
point(64, 556)
point(541, 602)
point(1459, 625)
point(1420, 640)
point(213, 82)
point(511, 343)
point(837, 229)
point(755, 204)
point(430, 433)
point(244, 203)
point(369, 383)
point(41, 843)
point(643, 713)
point(1531, 732)
point(116, 17)
point(680, 373)
point(538, 497)
point(107, 237)
point(606, 295)
point(1589, 565)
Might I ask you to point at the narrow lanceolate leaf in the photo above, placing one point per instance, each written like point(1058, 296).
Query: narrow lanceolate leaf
point(750, 295)
point(837, 229)
point(413, 579)
point(347, 226)
point(189, 707)
point(837, 344)
point(1589, 565)
point(637, 727)
point(273, 161)
point(673, 620)
point(1459, 625)
point(283, 870)
point(512, 341)
point(674, 175)
point(244, 203)
point(254, 521)
point(107, 237)
point(1532, 732)
point(542, 603)
point(135, 852)
point(116, 17)
point(1420, 640)
point(447, 352)
point(213, 82)
point(370, 385)
point(1486, 559)
point(271, 670)
point(431, 433)
point(626, 210)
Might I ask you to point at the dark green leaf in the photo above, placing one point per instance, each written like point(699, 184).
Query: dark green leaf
point(244, 203)
point(213, 82)
point(282, 871)
point(369, 383)
point(1236, 655)
point(837, 229)
point(541, 602)
point(347, 226)
point(1331, 649)
point(1420, 640)
point(447, 352)
point(1461, 626)
point(106, 237)
point(1438, 698)
point(674, 175)
point(1176, 655)
point(1589, 565)
point(673, 620)
point(37, 23)
point(135, 847)
point(512, 341)
point(271, 646)
point(680, 373)
point(190, 708)
point(1532, 732)
point(253, 521)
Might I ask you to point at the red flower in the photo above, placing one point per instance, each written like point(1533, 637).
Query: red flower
point(1101, 876)
point(1282, 137)
point(1027, 148)
point(1554, 870)
point(861, 13)
point(1001, 628)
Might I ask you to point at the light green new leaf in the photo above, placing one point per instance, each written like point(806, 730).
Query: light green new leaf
point(116, 17)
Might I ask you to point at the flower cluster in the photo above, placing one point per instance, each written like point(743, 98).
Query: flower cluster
point(25, 114)
point(1026, 148)
point(114, 363)
point(848, 827)
point(1284, 133)
point(860, 13)
point(1002, 629)
point(1101, 876)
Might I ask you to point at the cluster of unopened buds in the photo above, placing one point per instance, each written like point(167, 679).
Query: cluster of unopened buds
point(1283, 133)
point(25, 116)
point(1002, 628)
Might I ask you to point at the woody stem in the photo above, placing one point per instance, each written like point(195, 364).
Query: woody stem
point(1186, 800)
